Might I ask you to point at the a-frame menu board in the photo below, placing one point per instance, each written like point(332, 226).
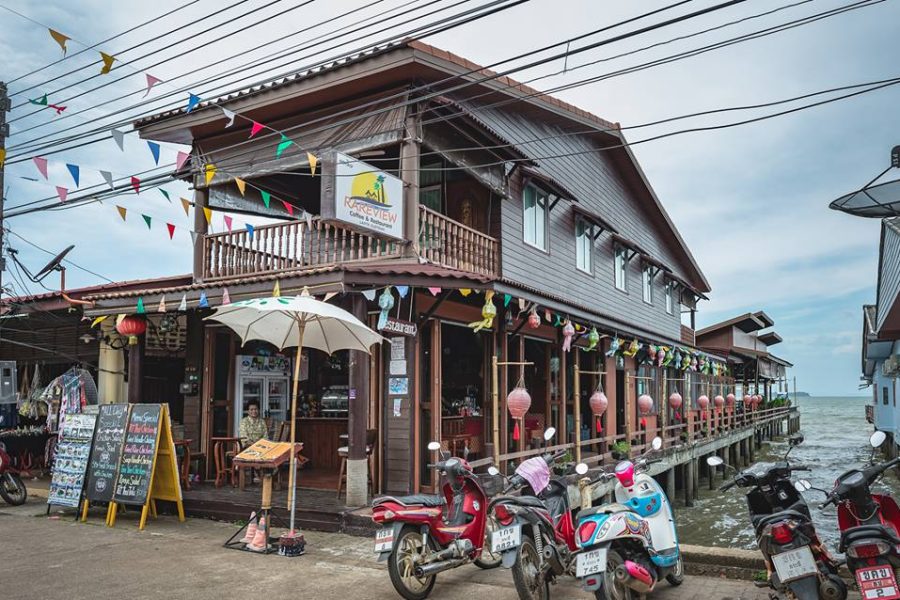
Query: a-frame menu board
point(109, 439)
point(148, 468)
point(71, 462)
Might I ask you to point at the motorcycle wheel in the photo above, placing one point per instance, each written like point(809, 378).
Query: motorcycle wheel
point(833, 589)
point(13, 489)
point(401, 567)
point(487, 559)
point(530, 584)
point(676, 575)
point(612, 589)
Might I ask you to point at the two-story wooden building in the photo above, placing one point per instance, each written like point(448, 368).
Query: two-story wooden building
point(413, 174)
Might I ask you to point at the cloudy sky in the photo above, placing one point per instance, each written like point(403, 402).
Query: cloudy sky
point(751, 201)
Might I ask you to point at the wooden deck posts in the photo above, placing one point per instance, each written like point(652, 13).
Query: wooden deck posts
point(687, 482)
point(136, 370)
point(358, 416)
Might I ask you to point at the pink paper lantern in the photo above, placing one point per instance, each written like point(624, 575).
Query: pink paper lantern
point(703, 402)
point(645, 404)
point(719, 401)
point(748, 400)
point(729, 400)
point(599, 403)
point(675, 400)
point(518, 402)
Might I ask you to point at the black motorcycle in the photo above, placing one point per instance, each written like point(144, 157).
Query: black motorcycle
point(798, 563)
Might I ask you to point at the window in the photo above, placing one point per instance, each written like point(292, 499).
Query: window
point(584, 238)
point(621, 261)
point(884, 395)
point(647, 283)
point(670, 300)
point(536, 205)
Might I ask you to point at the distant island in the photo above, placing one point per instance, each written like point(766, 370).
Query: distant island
point(799, 394)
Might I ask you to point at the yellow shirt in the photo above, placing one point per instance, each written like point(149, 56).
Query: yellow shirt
point(252, 430)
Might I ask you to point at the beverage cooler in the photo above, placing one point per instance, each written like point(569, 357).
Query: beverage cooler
point(266, 379)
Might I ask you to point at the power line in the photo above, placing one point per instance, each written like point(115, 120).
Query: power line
point(66, 260)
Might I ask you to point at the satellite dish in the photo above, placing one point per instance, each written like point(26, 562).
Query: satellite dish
point(876, 201)
point(53, 265)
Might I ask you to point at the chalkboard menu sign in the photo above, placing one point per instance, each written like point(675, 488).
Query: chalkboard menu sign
point(108, 441)
point(136, 466)
point(71, 461)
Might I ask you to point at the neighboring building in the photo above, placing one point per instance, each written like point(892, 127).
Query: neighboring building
point(881, 334)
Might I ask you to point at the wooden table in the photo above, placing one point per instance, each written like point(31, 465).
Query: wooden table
point(457, 443)
point(222, 469)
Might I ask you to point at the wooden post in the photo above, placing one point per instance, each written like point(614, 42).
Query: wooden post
point(495, 406)
point(576, 406)
point(695, 480)
point(711, 473)
point(358, 415)
point(410, 149)
point(201, 201)
point(562, 388)
point(136, 370)
point(688, 483)
point(670, 484)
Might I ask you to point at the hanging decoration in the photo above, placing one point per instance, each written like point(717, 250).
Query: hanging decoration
point(694, 363)
point(2, 157)
point(632, 348)
point(60, 39)
point(675, 402)
point(250, 230)
point(488, 312)
point(241, 185)
point(42, 101)
point(703, 403)
point(230, 115)
point(593, 339)
point(226, 298)
point(506, 297)
point(518, 402)
point(719, 402)
point(228, 221)
point(62, 192)
point(283, 145)
point(385, 303)
point(131, 327)
point(180, 159)
point(614, 347)
point(288, 207)
point(465, 292)
point(122, 211)
point(748, 401)
point(119, 138)
point(599, 403)
point(139, 309)
point(41, 164)
point(210, 172)
point(186, 204)
point(670, 356)
point(193, 101)
point(369, 294)
point(651, 353)
point(256, 128)
point(151, 81)
point(266, 197)
point(434, 291)
point(568, 332)
point(204, 301)
point(182, 306)
point(547, 316)
point(729, 400)
point(154, 150)
point(75, 172)
point(645, 405)
point(108, 61)
point(171, 229)
point(402, 290)
point(162, 305)
point(313, 161)
point(661, 356)
point(207, 212)
point(136, 184)
point(685, 360)
point(534, 321)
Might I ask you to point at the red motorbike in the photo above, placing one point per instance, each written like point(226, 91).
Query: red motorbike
point(12, 488)
point(423, 535)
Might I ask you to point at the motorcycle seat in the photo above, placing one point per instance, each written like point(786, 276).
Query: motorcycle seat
point(761, 521)
point(413, 500)
point(855, 534)
point(604, 509)
point(530, 501)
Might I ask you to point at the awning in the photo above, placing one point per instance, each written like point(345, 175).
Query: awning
point(594, 218)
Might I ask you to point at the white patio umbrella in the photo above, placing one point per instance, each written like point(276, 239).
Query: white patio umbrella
point(300, 321)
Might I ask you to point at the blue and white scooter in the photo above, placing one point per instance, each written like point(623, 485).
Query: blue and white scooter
point(630, 545)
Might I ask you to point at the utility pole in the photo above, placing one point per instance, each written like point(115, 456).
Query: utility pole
point(5, 105)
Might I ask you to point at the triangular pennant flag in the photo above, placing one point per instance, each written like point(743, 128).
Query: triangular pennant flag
point(140, 307)
point(136, 184)
point(162, 305)
point(226, 298)
point(369, 295)
point(194, 236)
point(151, 81)
point(42, 101)
point(98, 320)
point(41, 164)
point(180, 159)
point(521, 304)
point(182, 306)
point(210, 170)
point(166, 194)
point(62, 193)
point(250, 230)
point(119, 137)
point(208, 213)
point(187, 206)
point(547, 315)
point(154, 150)
point(329, 296)
point(465, 291)
point(107, 176)
point(227, 220)
point(171, 230)
point(120, 318)
point(434, 291)
point(313, 161)
point(288, 207)
point(59, 39)
point(228, 115)
point(266, 197)
point(556, 322)
point(256, 128)
point(2, 157)
point(147, 219)
point(108, 61)
point(403, 290)
point(308, 220)
point(193, 101)
point(242, 185)
point(276, 291)
point(122, 210)
point(506, 300)
point(283, 145)
point(204, 303)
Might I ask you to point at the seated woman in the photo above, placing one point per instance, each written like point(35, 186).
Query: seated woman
point(253, 429)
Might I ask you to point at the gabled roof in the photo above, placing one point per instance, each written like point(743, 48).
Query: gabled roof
point(770, 338)
point(747, 322)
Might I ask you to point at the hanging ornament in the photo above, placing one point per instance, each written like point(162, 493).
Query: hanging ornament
point(642, 354)
point(685, 361)
point(614, 347)
point(729, 400)
point(675, 402)
point(694, 364)
point(131, 327)
point(651, 352)
point(645, 405)
point(670, 356)
point(661, 355)
point(632, 348)
point(593, 339)
point(488, 312)
point(534, 321)
point(719, 401)
point(748, 401)
point(518, 402)
point(568, 332)
point(703, 403)
point(385, 303)
point(599, 403)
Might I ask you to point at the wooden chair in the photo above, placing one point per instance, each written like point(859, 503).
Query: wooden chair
point(343, 451)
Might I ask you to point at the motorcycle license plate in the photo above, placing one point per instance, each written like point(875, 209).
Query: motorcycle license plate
point(877, 583)
point(384, 540)
point(794, 564)
point(506, 538)
point(590, 562)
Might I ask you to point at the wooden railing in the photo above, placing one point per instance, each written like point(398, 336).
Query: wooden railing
point(448, 243)
point(292, 246)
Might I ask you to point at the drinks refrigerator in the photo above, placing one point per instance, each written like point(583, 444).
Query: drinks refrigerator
point(267, 380)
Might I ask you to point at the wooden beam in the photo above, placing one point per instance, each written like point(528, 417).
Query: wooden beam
point(430, 312)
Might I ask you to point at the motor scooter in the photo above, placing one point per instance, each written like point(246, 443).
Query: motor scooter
point(12, 488)
point(798, 564)
point(870, 527)
point(628, 546)
point(423, 535)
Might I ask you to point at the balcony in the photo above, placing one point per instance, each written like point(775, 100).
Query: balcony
point(299, 246)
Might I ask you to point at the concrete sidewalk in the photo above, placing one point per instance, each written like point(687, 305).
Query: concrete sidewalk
point(58, 558)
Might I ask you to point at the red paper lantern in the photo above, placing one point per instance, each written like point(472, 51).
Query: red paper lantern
point(518, 402)
point(645, 403)
point(131, 327)
point(719, 401)
point(729, 400)
point(599, 403)
point(534, 321)
point(675, 400)
point(748, 400)
point(703, 403)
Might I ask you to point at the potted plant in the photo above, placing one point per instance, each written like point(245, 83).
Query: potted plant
point(620, 450)
point(560, 467)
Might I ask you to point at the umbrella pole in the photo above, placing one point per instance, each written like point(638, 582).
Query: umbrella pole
point(292, 499)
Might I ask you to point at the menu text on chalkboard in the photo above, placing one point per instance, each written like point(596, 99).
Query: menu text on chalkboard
point(108, 441)
point(71, 460)
point(136, 466)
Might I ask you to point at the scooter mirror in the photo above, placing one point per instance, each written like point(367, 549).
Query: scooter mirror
point(877, 439)
point(802, 485)
point(434, 446)
point(656, 444)
point(796, 439)
point(549, 433)
point(714, 461)
point(581, 468)
point(493, 471)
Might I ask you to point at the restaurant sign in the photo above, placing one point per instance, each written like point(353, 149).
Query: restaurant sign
point(400, 327)
point(362, 195)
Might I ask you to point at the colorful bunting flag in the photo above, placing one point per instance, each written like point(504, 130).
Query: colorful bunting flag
point(465, 292)
point(308, 220)
point(283, 145)
point(547, 315)
point(288, 207)
point(59, 39)
point(193, 101)
point(122, 210)
point(62, 193)
point(434, 291)
point(108, 178)
point(98, 320)
point(108, 61)
point(120, 318)
point(119, 137)
point(226, 297)
point(329, 296)
point(241, 184)
point(556, 323)
point(403, 290)
point(227, 220)
point(42, 101)
point(250, 230)
point(171, 229)
point(276, 291)
point(182, 306)
point(210, 170)
point(313, 161)
point(187, 206)
point(162, 305)
point(256, 128)
point(521, 304)
point(506, 300)
point(194, 236)
point(228, 115)
point(266, 197)
point(147, 219)
point(151, 81)
point(136, 184)
point(140, 307)
point(41, 164)
point(2, 157)
point(154, 150)
point(208, 213)
point(369, 295)
point(166, 194)
point(204, 303)
point(180, 159)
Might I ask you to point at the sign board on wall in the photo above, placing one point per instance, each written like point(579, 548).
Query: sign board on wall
point(362, 195)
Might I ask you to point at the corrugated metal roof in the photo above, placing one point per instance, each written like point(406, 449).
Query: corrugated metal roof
point(92, 290)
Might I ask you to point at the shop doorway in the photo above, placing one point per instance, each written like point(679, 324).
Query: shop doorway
point(620, 402)
point(463, 391)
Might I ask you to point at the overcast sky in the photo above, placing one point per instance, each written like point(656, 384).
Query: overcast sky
point(750, 201)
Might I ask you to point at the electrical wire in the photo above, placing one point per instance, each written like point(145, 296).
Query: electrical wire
point(65, 260)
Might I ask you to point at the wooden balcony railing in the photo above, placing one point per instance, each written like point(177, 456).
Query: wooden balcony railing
point(448, 243)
